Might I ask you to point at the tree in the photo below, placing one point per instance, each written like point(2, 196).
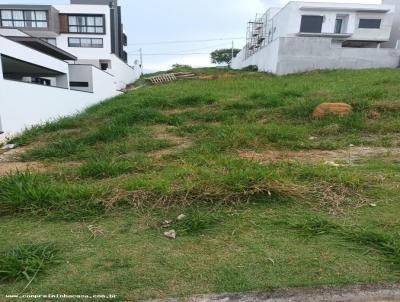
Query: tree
point(224, 55)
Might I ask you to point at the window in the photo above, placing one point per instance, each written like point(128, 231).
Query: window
point(24, 18)
point(311, 24)
point(370, 23)
point(86, 24)
point(338, 26)
point(51, 41)
point(79, 84)
point(85, 42)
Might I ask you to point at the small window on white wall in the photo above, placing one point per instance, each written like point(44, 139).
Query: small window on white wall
point(311, 24)
point(85, 42)
point(370, 23)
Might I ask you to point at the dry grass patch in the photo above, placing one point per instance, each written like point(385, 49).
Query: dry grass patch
point(166, 132)
point(10, 162)
point(349, 155)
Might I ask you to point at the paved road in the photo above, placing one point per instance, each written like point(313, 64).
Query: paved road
point(358, 293)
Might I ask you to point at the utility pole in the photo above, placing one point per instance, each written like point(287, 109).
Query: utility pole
point(141, 58)
point(233, 45)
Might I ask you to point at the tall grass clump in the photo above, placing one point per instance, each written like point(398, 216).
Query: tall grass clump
point(25, 192)
point(25, 262)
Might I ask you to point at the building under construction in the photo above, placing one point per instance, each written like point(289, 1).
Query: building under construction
point(260, 32)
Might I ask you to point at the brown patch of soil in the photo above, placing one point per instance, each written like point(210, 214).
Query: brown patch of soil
point(10, 162)
point(178, 110)
point(10, 167)
point(350, 154)
point(216, 76)
point(164, 132)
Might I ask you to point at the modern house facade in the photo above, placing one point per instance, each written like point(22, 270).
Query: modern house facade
point(58, 59)
point(306, 36)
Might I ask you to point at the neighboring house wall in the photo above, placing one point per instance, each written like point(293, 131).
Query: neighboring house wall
point(24, 104)
point(395, 36)
point(330, 11)
point(295, 49)
point(316, 53)
point(266, 59)
point(23, 53)
point(81, 52)
point(123, 73)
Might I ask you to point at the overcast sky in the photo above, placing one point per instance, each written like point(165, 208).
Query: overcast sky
point(147, 22)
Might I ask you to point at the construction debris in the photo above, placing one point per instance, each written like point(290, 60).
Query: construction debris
point(181, 217)
point(170, 77)
point(170, 234)
point(9, 147)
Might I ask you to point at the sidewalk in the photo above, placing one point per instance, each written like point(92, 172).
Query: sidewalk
point(357, 293)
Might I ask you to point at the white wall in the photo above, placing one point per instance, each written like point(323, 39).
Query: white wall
point(395, 36)
point(24, 104)
point(318, 53)
point(123, 73)
point(81, 73)
point(288, 20)
point(21, 52)
point(265, 59)
point(300, 54)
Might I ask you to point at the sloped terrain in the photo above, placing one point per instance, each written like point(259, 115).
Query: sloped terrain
point(271, 197)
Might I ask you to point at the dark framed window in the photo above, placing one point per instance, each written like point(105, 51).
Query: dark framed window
point(311, 24)
point(79, 84)
point(85, 42)
point(370, 23)
point(338, 26)
point(92, 24)
point(24, 18)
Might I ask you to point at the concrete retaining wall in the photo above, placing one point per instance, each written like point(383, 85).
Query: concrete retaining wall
point(299, 54)
point(305, 54)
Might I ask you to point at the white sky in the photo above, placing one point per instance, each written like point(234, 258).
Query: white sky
point(151, 21)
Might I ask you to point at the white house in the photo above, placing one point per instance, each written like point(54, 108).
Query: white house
point(58, 59)
point(305, 36)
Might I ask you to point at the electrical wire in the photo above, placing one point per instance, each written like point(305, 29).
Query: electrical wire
point(187, 41)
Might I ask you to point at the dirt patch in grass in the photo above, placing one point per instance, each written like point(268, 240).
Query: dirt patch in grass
point(6, 168)
point(216, 76)
point(165, 132)
point(178, 110)
point(350, 154)
point(10, 162)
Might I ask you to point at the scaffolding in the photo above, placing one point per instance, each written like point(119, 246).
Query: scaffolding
point(260, 32)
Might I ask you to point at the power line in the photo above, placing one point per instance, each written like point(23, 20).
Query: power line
point(175, 54)
point(187, 51)
point(187, 41)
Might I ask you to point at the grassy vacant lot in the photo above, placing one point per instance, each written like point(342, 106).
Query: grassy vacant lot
point(272, 197)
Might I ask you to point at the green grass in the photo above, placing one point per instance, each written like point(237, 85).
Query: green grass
point(24, 262)
point(148, 156)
